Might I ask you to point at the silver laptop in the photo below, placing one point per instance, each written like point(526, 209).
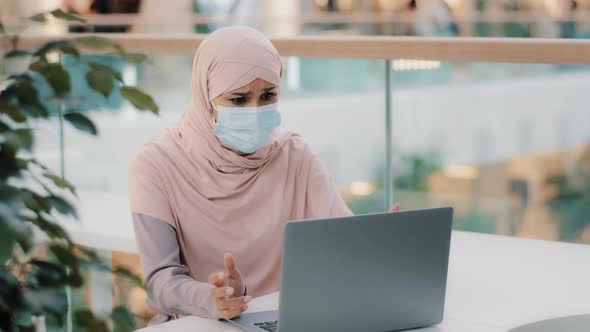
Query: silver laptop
point(377, 272)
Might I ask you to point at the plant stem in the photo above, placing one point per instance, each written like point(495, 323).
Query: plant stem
point(61, 142)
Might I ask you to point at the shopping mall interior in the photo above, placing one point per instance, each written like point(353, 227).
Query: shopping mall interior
point(506, 143)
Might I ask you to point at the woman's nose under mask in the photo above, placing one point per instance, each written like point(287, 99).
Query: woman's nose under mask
point(247, 128)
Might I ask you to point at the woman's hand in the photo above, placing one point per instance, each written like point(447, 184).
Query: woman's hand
point(229, 290)
point(395, 208)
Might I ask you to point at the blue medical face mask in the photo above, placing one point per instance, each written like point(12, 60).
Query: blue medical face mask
point(247, 128)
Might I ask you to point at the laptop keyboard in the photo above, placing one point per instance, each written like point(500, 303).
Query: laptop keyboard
point(270, 326)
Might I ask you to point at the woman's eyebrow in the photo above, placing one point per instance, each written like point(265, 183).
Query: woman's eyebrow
point(269, 88)
point(241, 94)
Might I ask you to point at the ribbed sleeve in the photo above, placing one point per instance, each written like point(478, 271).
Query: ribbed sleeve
point(171, 291)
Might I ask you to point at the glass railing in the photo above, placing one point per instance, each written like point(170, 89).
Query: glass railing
point(501, 141)
point(506, 144)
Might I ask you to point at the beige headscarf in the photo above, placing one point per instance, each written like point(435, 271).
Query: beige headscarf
point(217, 199)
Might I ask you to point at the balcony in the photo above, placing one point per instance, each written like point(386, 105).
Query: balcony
point(496, 127)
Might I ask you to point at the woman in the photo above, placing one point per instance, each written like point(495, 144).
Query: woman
point(225, 179)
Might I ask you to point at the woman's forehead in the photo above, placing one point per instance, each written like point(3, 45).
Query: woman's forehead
point(257, 84)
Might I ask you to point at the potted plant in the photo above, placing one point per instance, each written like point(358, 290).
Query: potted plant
point(39, 259)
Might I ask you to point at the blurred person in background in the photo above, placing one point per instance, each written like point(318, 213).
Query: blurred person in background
point(568, 25)
point(546, 27)
point(102, 7)
point(434, 18)
point(408, 15)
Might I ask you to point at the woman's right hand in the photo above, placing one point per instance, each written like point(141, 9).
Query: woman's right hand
point(227, 285)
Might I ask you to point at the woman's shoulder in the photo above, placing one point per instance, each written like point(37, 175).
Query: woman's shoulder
point(151, 154)
point(297, 149)
point(293, 141)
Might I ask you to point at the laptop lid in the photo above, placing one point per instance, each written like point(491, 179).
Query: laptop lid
point(377, 272)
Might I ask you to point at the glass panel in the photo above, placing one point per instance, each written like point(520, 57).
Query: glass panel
point(338, 106)
point(97, 166)
point(47, 144)
point(318, 101)
point(505, 144)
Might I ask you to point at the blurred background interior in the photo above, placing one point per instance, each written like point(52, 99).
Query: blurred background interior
point(506, 144)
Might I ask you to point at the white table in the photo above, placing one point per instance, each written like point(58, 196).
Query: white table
point(495, 283)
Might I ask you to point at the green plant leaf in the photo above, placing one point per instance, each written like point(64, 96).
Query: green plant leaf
point(81, 122)
point(53, 230)
point(89, 257)
point(75, 278)
point(58, 181)
point(38, 18)
point(21, 77)
point(139, 99)
point(129, 57)
point(26, 242)
point(34, 201)
point(69, 16)
point(57, 77)
point(22, 163)
point(65, 46)
point(13, 112)
point(37, 111)
point(4, 126)
point(94, 42)
point(9, 224)
point(38, 65)
point(11, 292)
point(26, 94)
point(47, 274)
point(18, 138)
point(61, 205)
point(37, 162)
point(133, 57)
point(67, 257)
point(27, 97)
point(86, 320)
point(13, 227)
point(50, 301)
point(16, 54)
point(24, 318)
point(123, 319)
point(64, 254)
point(7, 243)
point(127, 274)
point(101, 81)
point(84, 317)
point(102, 67)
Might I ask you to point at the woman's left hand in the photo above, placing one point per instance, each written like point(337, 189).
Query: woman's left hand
point(395, 208)
point(229, 290)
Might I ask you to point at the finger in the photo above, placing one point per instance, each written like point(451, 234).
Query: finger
point(230, 265)
point(217, 279)
point(234, 303)
point(395, 208)
point(229, 314)
point(222, 292)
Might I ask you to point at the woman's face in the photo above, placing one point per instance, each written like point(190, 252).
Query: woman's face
point(256, 93)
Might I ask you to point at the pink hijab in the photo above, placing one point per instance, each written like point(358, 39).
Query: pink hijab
point(217, 199)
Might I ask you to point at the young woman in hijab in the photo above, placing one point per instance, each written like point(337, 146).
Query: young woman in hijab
point(226, 179)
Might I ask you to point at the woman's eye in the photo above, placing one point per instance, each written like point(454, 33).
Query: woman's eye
point(238, 100)
point(268, 95)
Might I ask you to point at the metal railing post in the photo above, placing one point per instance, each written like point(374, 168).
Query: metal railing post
point(388, 185)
